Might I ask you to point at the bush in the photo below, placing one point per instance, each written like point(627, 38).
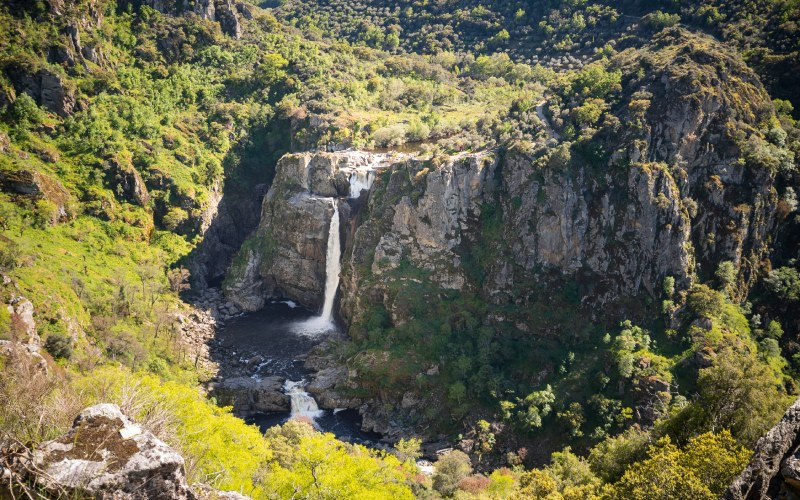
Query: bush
point(451, 469)
point(59, 345)
point(660, 20)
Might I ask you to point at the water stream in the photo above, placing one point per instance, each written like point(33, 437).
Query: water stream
point(284, 332)
point(333, 263)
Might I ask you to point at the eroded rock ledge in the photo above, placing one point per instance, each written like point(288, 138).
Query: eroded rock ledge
point(774, 470)
point(106, 455)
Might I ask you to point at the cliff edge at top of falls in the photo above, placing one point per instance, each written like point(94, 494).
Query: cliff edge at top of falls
point(672, 188)
point(285, 256)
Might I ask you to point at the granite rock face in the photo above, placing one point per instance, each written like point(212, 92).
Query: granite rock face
point(286, 255)
point(37, 186)
point(249, 396)
point(222, 11)
point(774, 470)
point(105, 455)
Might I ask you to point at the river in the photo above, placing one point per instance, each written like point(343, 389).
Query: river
point(275, 334)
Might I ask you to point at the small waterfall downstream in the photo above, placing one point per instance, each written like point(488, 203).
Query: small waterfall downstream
point(333, 264)
point(302, 404)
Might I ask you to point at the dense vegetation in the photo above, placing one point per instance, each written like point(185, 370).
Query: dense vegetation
point(122, 127)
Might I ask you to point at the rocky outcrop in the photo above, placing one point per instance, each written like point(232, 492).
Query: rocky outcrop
point(285, 257)
point(222, 11)
point(235, 217)
point(21, 310)
point(774, 470)
point(105, 455)
point(48, 88)
point(37, 186)
point(127, 181)
point(249, 396)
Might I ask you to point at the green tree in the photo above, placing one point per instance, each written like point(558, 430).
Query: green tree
point(703, 469)
point(408, 450)
point(450, 470)
point(738, 393)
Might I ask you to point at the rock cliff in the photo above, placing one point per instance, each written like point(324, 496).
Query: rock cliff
point(285, 257)
point(774, 470)
point(677, 180)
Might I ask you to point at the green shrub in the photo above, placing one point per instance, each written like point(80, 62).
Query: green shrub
point(59, 345)
point(450, 470)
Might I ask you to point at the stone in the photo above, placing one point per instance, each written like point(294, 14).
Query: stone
point(22, 308)
point(96, 459)
point(128, 181)
point(773, 469)
point(324, 388)
point(37, 186)
point(249, 396)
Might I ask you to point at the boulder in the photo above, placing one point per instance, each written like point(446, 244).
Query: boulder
point(249, 396)
point(105, 455)
point(37, 186)
point(22, 308)
point(324, 388)
point(128, 181)
point(774, 469)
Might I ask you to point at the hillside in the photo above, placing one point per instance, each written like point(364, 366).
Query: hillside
point(567, 243)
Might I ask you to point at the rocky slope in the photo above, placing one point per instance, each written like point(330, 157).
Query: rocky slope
point(774, 470)
point(104, 455)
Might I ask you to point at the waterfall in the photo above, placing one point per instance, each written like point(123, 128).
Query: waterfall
point(361, 179)
point(302, 404)
point(333, 264)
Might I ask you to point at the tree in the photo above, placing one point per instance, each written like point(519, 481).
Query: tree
point(738, 393)
point(703, 469)
point(537, 404)
point(570, 470)
point(661, 476)
point(726, 275)
point(485, 438)
point(784, 282)
point(450, 470)
point(595, 81)
point(612, 456)
point(59, 345)
point(408, 450)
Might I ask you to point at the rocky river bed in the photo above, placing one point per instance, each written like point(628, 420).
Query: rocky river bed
point(263, 374)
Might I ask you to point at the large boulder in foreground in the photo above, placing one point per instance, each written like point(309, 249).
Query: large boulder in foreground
point(774, 470)
point(105, 455)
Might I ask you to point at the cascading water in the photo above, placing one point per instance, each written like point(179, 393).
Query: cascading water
point(324, 322)
point(302, 404)
point(360, 180)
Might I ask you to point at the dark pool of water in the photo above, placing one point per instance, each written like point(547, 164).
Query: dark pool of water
point(272, 334)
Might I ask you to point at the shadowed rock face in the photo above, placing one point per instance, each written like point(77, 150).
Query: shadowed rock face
point(107, 455)
point(286, 255)
point(774, 470)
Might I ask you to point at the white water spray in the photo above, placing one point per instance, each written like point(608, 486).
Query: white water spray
point(302, 404)
point(324, 322)
point(361, 179)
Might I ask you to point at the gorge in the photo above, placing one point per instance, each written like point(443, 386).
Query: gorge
point(438, 249)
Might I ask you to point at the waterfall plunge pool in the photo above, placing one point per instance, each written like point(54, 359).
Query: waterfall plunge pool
point(273, 334)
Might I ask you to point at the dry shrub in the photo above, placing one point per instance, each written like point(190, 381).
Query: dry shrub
point(150, 412)
point(474, 484)
point(36, 404)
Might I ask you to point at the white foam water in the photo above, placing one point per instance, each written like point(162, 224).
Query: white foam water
point(302, 404)
point(324, 322)
point(361, 179)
